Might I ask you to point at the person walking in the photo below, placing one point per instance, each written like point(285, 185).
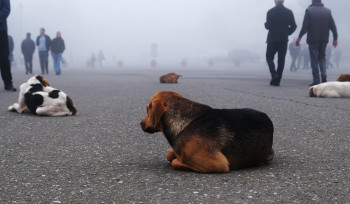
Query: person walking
point(11, 48)
point(57, 48)
point(337, 56)
point(100, 59)
point(28, 48)
point(4, 46)
point(281, 23)
point(294, 53)
point(318, 21)
point(329, 53)
point(43, 42)
point(306, 56)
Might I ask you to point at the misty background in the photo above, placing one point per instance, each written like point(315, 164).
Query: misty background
point(196, 30)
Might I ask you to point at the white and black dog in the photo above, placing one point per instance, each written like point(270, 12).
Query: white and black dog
point(332, 89)
point(41, 99)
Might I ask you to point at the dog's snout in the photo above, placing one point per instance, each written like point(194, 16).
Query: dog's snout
point(142, 125)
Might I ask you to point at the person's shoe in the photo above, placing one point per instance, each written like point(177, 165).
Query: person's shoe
point(10, 88)
point(277, 83)
point(313, 84)
point(277, 80)
point(324, 79)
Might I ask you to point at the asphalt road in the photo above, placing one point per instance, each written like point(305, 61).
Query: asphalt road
point(101, 155)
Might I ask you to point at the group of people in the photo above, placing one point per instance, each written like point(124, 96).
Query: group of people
point(317, 23)
point(280, 22)
point(301, 56)
point(44, 44)
point(100, 59)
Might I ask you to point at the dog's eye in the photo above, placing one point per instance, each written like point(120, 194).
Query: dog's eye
point(150, 106)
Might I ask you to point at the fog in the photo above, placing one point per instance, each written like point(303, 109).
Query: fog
point(125, 29)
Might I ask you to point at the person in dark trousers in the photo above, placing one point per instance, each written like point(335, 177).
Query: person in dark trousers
point(281, 23)
point(43, 42)
point(318, 21)
point(57, 48)
point(4, 46)
point(11, 48)
point(28, 48)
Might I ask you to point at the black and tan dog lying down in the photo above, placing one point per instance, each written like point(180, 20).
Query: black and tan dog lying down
point(37, 96)
point(209, 140)
point(170, 78)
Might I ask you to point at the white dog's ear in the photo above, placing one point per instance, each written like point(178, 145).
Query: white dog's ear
point(311, 92)
point(42, 80)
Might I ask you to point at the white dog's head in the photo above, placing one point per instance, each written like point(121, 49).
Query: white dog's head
point(311, 92)
point(38, 79)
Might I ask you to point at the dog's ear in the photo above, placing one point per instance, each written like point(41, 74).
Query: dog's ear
point(42, 80)
point(311, 92)
point(158, 108)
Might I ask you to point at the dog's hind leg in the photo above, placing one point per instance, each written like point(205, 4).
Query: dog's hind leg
point(203, 164)
point(196, 157)
point(51, 111)
point(178, 165)
point(170, 156)
point(21, 105)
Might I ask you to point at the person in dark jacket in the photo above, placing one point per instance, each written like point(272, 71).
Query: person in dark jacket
point(28, 48)
point(4, 46)
point(281, 23)
point(57, 48)
point(318, 21)
point(43, 42)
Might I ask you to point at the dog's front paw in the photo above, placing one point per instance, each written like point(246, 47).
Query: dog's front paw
point(170, 156)
point(11, 108)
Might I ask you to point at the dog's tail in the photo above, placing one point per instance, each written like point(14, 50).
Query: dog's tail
point(70, 105)
point(311, 92)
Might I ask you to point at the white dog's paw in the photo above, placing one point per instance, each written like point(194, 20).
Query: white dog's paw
point(11, 108)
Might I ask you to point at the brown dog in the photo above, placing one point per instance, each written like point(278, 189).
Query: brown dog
point(170, 78)
point(343, 77)
point(209, 140)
